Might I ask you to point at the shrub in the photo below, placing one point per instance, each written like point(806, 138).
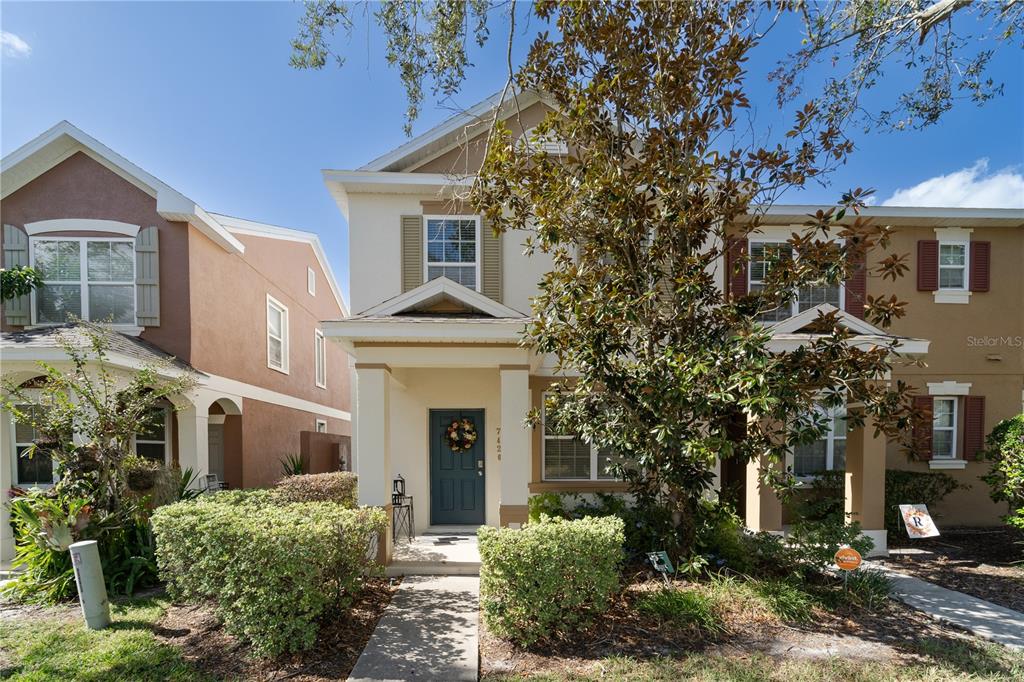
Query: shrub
point(683, 608)
point(548, 578)
point(335, 486)
point(814, 543)
point(720, 535)
point(546, 504)
point(913, 487)
point(1004, 449)
point(271, 570)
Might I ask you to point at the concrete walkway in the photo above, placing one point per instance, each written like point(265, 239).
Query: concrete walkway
point(984, 619)
point(428, 632)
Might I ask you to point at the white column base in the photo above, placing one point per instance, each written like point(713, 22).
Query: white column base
point(880, 538)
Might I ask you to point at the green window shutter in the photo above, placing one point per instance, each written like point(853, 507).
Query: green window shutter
point(16, 311)
point(490, 261)
point(147, 277)
point(412, 252)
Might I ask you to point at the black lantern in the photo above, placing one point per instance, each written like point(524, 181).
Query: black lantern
point(398, 490)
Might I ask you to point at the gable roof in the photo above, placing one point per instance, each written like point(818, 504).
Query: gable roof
point(448, 131)
point(251, 227)
point(792, 333)
point(438, 290)
point(796, 323)
point(63, 140)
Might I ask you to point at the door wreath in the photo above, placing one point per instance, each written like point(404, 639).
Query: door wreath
point(461, 435)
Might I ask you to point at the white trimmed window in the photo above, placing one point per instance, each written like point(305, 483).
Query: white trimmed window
point(568, 458)
point(764, 254)
point(311, 281)
point(944, 423)
point(321, 426)
point(453, 249)
point(152, 440)
point(36, 470)
point(320, 358)
point(93, 279)
point(953, 259)
point(828, 453)
point(277, 335)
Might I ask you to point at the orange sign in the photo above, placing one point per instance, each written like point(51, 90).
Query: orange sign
point(847, 558)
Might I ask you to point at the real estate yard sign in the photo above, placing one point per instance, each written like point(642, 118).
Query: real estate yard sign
point(918, 521)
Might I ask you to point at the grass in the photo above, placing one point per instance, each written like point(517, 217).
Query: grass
point(684, 608)
point(989, 664)
point(56, 647)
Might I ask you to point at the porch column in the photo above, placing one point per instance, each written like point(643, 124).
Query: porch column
point(763, 507)
point(194, 441)
point(6, 481)
point(865, 483)
point(372, 444)
point(516, 443)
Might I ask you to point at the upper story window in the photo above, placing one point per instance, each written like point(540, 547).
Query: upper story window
point(93, 279)
point(944, 418)
point(35, 470)
point(764, 255)
point(311, 281)
point(566, 457)
point(277, 335)
point(828, 453)
point(320, 358)
point(453, 249)
point(953, 260)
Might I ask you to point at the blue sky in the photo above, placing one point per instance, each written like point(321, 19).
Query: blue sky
point(201, 95)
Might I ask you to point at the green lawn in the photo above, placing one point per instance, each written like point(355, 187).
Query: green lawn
point(58, 648)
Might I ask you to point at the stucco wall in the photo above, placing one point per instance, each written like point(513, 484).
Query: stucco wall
point(80, 187)
point(269, 432)
point(427, 389)
point(229, 328)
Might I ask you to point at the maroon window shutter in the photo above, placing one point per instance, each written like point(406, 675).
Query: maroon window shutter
point(856, 290)
point(981, 257)
point(974, 425)
point(737, 267)
point(923, 428)
point(928, 265)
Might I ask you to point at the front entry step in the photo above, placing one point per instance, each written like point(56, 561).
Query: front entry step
point(436, 553)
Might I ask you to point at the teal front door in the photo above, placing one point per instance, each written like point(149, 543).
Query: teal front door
point(456, 478)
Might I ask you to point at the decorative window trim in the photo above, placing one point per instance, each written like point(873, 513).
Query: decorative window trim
point(957, 236)
point(283, 309)
point(81, 225)
point(166, 442)
point(83, 280)
point(594, 453)
point(426, 246)
point(14, 459)
point(954, 429)
point(319, 359)
point(777, 237)
point(948, 388)
point(318, 423)
point(311, 281)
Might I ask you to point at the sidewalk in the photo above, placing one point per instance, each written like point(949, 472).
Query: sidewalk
point(428, 632)
point(984, 619)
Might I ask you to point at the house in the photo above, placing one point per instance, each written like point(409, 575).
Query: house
point(439, 304)
point(236, 302)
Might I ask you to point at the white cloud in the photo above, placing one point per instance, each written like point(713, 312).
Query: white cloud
point(972, 187)
point(13, 45)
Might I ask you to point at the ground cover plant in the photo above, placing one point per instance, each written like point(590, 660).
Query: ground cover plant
point(271, 568)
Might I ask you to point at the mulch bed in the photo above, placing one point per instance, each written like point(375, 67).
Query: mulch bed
point(887, 634)
point(203, 642)
point(983, 562)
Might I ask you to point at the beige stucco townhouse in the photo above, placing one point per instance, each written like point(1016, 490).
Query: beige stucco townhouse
point(439, 304)
point(234, 302)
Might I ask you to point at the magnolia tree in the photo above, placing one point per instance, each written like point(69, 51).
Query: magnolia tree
point(651, 101)
point(86, 415)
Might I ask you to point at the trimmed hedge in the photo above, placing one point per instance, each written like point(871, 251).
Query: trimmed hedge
point(271, 570)
point(550, 577)
point(335, 486)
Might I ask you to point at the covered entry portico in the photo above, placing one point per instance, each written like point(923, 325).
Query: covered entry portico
point(435, 354)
